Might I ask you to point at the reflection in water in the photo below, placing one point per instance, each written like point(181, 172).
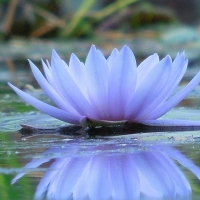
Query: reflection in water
point(145, 172)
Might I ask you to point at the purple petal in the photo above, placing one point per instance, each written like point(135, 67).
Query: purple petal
point(76, 71)
point(49, 178)
point(80, 190)
point(96, 71)
point(99, 179)
point(50, 91)
point(31, 165)
point(147, 92)
point(145, 67)
point(47, 72)
point(49, 77)
point(181, 184)
point(184, 161)
point(122, 81)
point(112, 58)
point(48, 109)
point(125, 179)
point(151, 168)
point(173, 101)
point(68, 88)
point(179, 67)
point(68, 176)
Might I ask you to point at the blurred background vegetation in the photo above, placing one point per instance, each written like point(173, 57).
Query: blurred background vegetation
point(30, 29)
point(89, 18)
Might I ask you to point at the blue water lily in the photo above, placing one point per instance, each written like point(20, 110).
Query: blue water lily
point(111, 89)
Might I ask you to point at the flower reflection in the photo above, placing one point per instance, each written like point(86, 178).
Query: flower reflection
point(145, 172)
point(112, 89)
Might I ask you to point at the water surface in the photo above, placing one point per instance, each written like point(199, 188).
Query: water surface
point(42, 151)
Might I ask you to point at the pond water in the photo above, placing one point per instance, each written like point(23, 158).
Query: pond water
point(154, 165)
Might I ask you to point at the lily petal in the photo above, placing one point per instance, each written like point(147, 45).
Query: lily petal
point(148, 91)
point(145, 67)
point(47, 109)
point(173, 101)
point(122, 82)
point(96, 81)
point(49, 90)
point(71, 92)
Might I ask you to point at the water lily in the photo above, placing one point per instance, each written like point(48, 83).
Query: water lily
point(112, 89)
point(148, 173)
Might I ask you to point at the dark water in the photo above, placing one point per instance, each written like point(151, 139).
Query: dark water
point(156, 165)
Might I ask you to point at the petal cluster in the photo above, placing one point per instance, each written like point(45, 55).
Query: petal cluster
point(112, 89)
